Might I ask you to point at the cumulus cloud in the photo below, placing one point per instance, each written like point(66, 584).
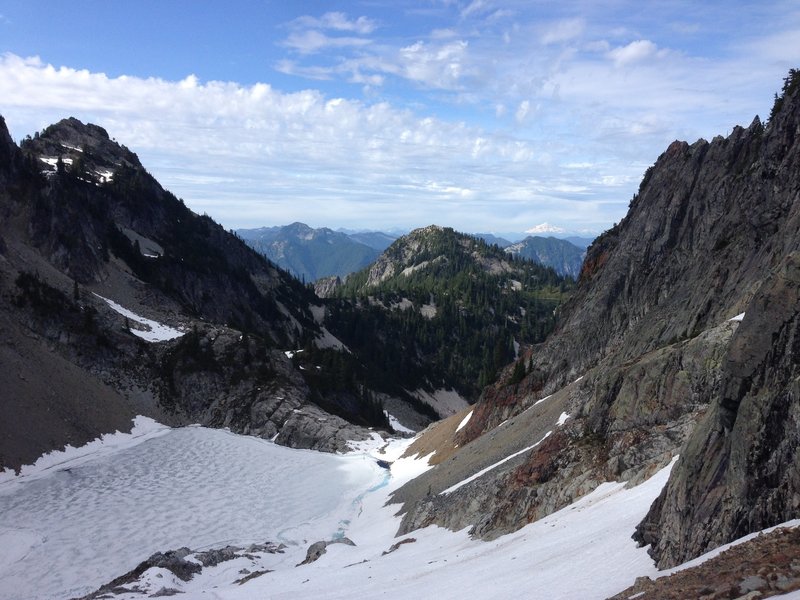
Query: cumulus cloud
point(251, 155)
point(438, 66)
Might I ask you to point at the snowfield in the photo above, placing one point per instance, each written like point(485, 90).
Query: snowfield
point(153, 330)
point(80, 526)
point(76, 525)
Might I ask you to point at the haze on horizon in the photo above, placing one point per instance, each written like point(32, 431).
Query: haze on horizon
point(480, 115)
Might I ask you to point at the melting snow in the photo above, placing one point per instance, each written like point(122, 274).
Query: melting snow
point(482, 472)
point(53, 161)
point(464, 421)
point(76, 528)
point(397, 425)
point(154, 332)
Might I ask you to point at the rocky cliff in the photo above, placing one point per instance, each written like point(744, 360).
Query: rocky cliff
point(645, 350)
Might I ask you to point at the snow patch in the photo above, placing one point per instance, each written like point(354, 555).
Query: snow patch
point(154, 332)
point(738, 317)
point(482, 472)
point(464, 421)
point(53, 160)
point(397, 425)
point(144, 428)
point(562, 419)
point(104, 175)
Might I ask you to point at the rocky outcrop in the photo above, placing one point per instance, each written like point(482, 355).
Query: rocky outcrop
point(625, 423)
point(326, 287)
point(317, 549)
point(709, 221)
point(764, 566)
point(740, 470)
point(184, 564)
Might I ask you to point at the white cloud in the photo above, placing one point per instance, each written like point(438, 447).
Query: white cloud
point(634, 52)
point(339, 22)
point(439, 66)
point(310, 42)
point(252, 155)
point(522, 110)
point(473, 8)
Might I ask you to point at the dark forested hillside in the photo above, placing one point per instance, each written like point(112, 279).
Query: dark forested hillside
point(443, 309)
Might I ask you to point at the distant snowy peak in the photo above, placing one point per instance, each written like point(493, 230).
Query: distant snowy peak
point(545, 228)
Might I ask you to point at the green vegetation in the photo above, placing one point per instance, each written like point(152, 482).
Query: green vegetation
point(336, 381)
point(450, 322)
point(791, 84)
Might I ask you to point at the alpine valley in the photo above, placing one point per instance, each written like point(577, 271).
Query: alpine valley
point(442, 417)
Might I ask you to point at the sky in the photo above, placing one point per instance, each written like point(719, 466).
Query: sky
point(483, 115)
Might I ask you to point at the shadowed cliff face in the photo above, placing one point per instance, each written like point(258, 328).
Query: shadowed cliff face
point(644, 351)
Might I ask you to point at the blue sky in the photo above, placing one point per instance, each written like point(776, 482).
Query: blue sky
point(479, 114)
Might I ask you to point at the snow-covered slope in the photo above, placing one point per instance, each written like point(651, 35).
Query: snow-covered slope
point(79, 525)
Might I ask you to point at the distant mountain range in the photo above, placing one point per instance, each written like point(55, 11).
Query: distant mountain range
point(563, 256)
point(313, 254)
point(310, 254)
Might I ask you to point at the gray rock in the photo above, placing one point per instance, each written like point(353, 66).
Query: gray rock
point(317, 549)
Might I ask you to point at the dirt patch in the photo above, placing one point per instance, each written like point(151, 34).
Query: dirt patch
point(768, 565)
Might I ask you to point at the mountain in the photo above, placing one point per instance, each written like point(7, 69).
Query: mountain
point(581, 242)
point(680, 339)
point(116, 300)
point(378, 240)
point(312, 254)
point(545, 228)
point(563, 256)
point(490, 238)
point(443, 310)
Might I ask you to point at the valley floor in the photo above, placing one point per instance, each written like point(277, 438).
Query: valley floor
point(80, 519)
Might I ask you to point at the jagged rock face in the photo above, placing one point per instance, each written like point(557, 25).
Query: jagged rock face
point(709, 220)
point(740, 471)
point(73, 141)
point(646, 409)
point(327, 286)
